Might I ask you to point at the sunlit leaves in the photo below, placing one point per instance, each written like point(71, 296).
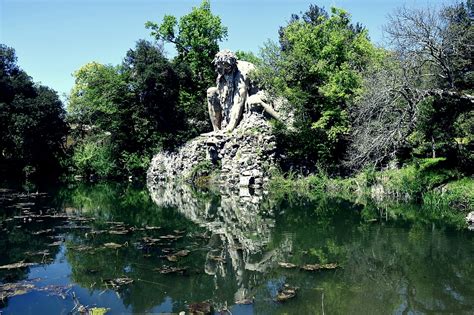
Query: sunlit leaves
point(318, 69)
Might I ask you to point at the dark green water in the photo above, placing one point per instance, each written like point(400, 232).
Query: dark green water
point(397, 259)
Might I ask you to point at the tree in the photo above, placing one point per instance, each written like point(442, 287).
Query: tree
point(95, 111)
point(124, 114)
point(317, 69)
point(96, 95)
point(420, 95)
point(196, 38)
point(155, 85)
point(157, 121)
point(32, 122)
point(248, 56)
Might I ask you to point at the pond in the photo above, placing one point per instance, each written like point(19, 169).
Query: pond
point(176, 248)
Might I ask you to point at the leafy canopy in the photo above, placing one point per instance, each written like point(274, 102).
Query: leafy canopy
point(124, 114)
point(32, 122)
point(196, 37)
point(317, 68)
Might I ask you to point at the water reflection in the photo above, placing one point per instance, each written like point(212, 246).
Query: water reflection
point(395, 258)
point(240, 227)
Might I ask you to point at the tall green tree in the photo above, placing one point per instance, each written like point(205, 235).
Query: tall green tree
point(124, 114)
point(157, 121)
point(155, 86)
point(95, 97)
point(32, 122)
point(317, 68)
point(95, 114)
point(196, 38)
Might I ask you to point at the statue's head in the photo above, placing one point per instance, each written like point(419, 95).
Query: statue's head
point(225, 62)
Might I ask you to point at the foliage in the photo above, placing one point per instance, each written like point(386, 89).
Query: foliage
point(413, 180)
point(201, 170)
point(290, 184)
point(96, 96)
point(95, 156)
point(317, 68)
point(196, 37)
point(154, 112)
point(430, 181)
point(417, 101)
point(248, 56)
point(457, 194)
point(148, 103)
point(32, 122)
point(135, 104)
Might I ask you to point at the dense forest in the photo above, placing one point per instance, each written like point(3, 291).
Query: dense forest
point(356, 106)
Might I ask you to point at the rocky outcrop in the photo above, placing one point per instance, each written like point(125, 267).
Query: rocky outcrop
point(241, 158)
point(470, 220)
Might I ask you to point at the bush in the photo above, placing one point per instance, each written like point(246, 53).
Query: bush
point(94, 156)
point(458, 194)
point(201, 172)
point(134, 163)
point(415, 179)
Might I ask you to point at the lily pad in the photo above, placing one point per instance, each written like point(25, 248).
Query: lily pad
point(119, 232)
point(182, 253)
point(217, 258)
point(118, 282)
point(245, 301)
point(287, 265)
point(81, 248)
point(42, 231)
point(38, 253)
point(175, 256)
point(13, 289)
point(172, 258)
point(98, 310)
point(317, 267)
point(168, 270)
point(113, 245)
point(200, 308)
point(17, 265)
point(286, 293)
point(151, 228)
point(170, 237)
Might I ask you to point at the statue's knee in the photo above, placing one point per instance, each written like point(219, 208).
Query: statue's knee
point(212, 92)
point(253, 100)
point(254, 103)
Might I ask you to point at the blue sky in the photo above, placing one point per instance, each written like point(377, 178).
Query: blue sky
point(53, 38)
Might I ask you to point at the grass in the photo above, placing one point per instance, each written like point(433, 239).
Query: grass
point(425, 181)
point(458, 194)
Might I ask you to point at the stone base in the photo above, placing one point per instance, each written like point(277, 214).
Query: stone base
point(241, 158)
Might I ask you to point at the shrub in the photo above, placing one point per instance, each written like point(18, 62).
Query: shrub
point(94, 156)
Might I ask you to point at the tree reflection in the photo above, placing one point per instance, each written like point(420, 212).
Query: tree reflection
point(395, 258)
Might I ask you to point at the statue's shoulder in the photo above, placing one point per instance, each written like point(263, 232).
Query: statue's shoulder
point(245, 67)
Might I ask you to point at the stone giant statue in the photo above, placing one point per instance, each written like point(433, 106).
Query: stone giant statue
point(235, 93)
point(236, 108)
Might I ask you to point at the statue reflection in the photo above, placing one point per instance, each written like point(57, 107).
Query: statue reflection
point(240, 224)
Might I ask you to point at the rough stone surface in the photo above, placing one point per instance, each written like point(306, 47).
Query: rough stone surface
point(470, 220)
point(241, 158)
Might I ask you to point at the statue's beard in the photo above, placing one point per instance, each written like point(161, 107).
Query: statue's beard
point(225, 85)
